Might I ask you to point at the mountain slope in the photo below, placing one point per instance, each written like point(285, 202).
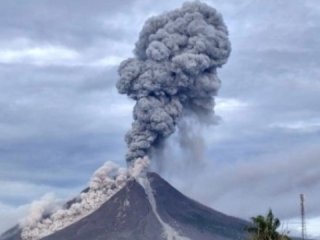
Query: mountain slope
point(136, 213)
point(12, 234)
point(127, 215)
point(192, 217)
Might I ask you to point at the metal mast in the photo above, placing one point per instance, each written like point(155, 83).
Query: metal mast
point(303, 221)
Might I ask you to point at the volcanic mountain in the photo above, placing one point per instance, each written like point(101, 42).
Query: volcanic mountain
point(149, 209)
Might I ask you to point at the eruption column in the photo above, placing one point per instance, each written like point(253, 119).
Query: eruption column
point(173, 73)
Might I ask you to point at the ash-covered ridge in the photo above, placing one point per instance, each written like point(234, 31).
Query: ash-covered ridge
point(173, 73)
point(131, 214)
point(47, 216)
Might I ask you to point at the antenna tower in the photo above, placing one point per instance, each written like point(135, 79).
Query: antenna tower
point(303, 221)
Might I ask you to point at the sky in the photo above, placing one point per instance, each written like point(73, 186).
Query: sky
point(61, 116)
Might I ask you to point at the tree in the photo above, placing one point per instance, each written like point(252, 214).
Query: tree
point(265, 228)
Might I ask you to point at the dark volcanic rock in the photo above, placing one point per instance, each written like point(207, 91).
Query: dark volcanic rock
point(128, 215)
point(193, 219)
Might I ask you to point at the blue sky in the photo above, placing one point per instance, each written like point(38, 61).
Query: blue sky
point(61, 116)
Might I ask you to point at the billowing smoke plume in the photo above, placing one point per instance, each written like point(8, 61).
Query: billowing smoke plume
point(47, 217)
point(173, 73)
point(45, 206)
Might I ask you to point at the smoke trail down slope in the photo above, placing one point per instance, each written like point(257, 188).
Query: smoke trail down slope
point(45, 206)
point(46, 218)
point(173, 73)
point(169, 232)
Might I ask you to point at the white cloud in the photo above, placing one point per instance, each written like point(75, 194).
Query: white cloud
point(25, 192)
point(39, 55)
point(312, 227)
point(302, 126)
point(234, 114)
point(229, 106)
point(107, 61)
point(105, 53)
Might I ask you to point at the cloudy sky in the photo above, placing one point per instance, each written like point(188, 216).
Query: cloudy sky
point(61, 116)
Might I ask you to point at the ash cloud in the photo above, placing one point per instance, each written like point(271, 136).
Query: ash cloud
point(173, 73)
point(46, 216)
point(191, 140)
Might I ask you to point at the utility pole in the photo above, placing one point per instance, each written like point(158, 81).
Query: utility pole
point(303, 221)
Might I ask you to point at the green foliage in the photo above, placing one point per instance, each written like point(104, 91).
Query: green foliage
point(265, 228)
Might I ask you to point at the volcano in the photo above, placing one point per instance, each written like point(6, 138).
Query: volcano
point(149, 209)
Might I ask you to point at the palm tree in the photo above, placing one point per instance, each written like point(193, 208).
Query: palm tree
point(265, 228)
